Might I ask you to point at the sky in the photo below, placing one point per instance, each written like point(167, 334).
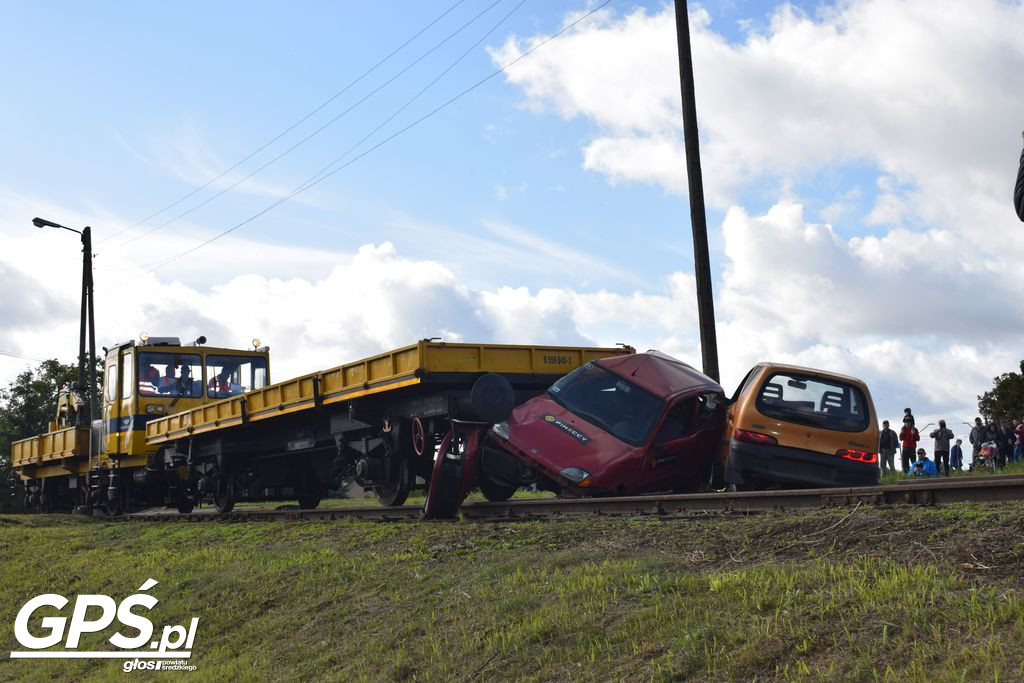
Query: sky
point(371, 174)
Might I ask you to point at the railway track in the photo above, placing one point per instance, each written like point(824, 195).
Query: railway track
point(934, 492)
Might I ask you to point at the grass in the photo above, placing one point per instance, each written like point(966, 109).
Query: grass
point(867, 594)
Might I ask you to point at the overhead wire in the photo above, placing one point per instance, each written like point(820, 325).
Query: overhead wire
point(316, 132)
point(11, 354)
point(293, 126)
point(408, 102)
point(324, 176)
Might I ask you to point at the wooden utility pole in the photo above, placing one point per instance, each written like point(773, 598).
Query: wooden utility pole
point(698, 221)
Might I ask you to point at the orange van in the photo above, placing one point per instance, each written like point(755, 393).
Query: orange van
point(793, 426)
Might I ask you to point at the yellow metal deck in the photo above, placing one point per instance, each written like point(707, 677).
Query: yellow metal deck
point(52, 447)
point(385, 372)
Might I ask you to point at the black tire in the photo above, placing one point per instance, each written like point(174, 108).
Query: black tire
point(185, 505)
point(493, 491)
point(396, 492)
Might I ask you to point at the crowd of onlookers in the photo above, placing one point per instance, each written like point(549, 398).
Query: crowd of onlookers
point(995, 443)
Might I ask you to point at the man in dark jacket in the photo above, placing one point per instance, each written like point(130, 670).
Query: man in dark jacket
point(977, 437)
point(888, 442)
point(942, 437)
point(1006, 439)
point(908, 442)
point(1018, 190)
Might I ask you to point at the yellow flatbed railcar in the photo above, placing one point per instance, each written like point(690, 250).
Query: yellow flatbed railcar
point(185, 423)
point(423, 363)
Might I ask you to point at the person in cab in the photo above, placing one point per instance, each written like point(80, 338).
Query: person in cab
point(222, 386)
point(149, 380)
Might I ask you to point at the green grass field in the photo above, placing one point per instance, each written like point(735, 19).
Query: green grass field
point(848, 594)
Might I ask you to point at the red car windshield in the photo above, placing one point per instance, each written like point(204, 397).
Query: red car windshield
point(609, 401)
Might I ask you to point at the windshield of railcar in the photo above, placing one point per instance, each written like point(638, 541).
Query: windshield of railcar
point(609, 401)
point(170, 374)
point(232, 375)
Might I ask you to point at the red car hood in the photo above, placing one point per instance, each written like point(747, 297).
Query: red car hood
point(552, 438)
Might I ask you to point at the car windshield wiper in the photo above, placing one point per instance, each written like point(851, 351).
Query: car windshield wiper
point(589, 417)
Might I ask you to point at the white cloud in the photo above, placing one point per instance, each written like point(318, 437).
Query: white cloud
point(926, 90)
point(376, 299)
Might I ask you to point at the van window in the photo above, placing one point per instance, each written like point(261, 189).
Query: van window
point(813, 401)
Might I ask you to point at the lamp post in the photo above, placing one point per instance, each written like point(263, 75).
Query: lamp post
point(87, 314)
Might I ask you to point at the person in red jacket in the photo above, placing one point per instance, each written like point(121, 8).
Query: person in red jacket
point(909, 437)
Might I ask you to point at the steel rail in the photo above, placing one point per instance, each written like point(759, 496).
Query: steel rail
point(933, 492)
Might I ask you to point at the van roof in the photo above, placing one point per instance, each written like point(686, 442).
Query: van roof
point(814, 372)
point(660, 373)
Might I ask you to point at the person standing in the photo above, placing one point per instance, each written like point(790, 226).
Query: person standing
point(1006, 439)
point(909, 437)
point(942, 437)
point(977, 437)
point(956, 455)
point(1018, 448)
point(1018, 190)
point(992, 434)
point(888, 442)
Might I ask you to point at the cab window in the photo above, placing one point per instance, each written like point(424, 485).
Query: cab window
point(127, 376)
point(233, 375)
point(170, 374)
point(111, 382)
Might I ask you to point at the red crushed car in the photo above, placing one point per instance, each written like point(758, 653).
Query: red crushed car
point(618, 426)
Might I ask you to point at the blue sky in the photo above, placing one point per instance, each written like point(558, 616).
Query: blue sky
point(110, 91)
point(857, 158)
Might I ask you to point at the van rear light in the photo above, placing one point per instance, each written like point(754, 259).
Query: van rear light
point(754, 437)
point(858, 456)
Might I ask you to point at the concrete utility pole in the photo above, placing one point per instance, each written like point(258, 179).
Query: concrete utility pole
point(698, 222)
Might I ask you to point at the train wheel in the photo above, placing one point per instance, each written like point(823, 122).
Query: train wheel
point(310, 492)
point(224, 497)
point(116, 505)
point(493, 491)
point(395, 493)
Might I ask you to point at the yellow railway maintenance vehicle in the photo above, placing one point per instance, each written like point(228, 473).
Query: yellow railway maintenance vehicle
point(186, 423)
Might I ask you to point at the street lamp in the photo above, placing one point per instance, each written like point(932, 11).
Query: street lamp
point(87, 313)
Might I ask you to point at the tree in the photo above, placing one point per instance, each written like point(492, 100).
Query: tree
point(26, 407)
point(1005, 401)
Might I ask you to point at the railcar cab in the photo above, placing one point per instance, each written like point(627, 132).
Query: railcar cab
point(157, 376)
